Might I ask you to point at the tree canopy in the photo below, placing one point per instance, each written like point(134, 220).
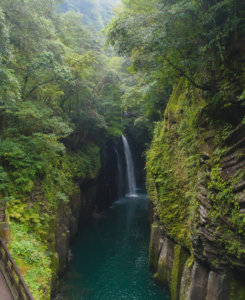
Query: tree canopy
point(166, 40)
point(59, 104)
point(96, 13)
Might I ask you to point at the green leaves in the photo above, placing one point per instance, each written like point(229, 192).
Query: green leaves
point(38, 118)
point(4, 181)
point(29, 254)
point(162, 49)
point(9, 86)
point(85, 164)
point(59, 102)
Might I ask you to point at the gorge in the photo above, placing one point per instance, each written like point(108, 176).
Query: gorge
point(111, 251)
point(156, 98)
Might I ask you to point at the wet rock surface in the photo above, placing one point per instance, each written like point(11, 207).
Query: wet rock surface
point(195, 280)
point(197, 190)
point(205, 246)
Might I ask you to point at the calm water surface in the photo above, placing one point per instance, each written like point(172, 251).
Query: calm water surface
point(111, 257)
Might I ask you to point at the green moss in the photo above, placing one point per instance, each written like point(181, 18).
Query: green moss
point(238, 289)
point(32, 213)
point(187, 277)
point(172, 163)
point(33, 259)
point(180, 257)
point(163, 274)
point(156, 276)
point(54, 269)
point(184, 95)
point(153, 250)
point(85, 164)
point(224, 212)
point(189, 130)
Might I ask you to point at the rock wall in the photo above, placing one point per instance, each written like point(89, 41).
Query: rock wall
point(196, 184)
point(66, 226)
point(186, 277)
point(90, 196)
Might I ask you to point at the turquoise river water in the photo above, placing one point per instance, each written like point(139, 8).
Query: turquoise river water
point(111, 256)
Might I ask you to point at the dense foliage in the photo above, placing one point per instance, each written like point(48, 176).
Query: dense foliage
point(62, 95)
point(172, 164)
point(199, 40)
point(188, 72)
point(59, 103)
point(96, 13)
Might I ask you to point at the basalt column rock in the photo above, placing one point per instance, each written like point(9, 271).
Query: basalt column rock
point(196, 185)
point(199, 282)
point(186, 279)
point(66, 226)
point(229, 181)
point(219, 286)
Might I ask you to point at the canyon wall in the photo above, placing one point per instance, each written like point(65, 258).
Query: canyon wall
point(196, 183)
point(90, 196)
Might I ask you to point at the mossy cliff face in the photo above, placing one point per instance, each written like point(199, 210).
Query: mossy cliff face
point(196, 183)
point(45, 221)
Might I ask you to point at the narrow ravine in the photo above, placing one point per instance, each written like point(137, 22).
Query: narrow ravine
point(111, 256)
point(111, 251)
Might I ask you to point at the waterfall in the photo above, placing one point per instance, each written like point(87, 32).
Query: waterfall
point(130, 168)
point(119, 175)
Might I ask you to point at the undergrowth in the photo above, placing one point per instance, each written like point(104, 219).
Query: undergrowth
point(33, 259)
point(172, 163)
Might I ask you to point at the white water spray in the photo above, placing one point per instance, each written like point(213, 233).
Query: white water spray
point(130, 168)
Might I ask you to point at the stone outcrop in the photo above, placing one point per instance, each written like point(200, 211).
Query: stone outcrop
point(232, 162)
point(67, 220)
point(196, 184)
point(90, 196)
point(79, 209)
point(186, 277)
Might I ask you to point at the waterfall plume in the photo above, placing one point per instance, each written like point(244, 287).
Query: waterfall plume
point(130, 174)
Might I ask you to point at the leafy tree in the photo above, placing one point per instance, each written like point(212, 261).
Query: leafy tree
point(153, 36)
point(96, 13)
point(9, 88)
point(59, 93)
